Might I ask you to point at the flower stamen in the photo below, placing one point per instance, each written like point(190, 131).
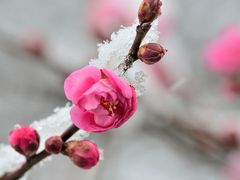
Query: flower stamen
point(109, 106)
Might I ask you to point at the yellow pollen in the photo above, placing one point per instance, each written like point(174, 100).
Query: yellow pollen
point(109, 106)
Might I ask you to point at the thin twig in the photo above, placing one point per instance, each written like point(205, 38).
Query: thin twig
point(9, 44)
point(141, 32)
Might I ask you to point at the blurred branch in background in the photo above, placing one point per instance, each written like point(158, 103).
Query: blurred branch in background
point(31, 47)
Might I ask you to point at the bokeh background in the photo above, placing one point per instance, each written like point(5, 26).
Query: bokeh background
point(187, 123)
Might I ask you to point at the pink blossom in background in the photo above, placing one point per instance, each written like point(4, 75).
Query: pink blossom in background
point(162, 75)
point(233, 167)
point(106, 16)
point(24, 140)
point(165, 25)
point(101, 99)
point(223, 53)
point(231, 88)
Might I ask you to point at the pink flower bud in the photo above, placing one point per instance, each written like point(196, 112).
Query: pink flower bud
point(24, 140)
point(54, 145)
point(84, 154)
point(151, 53)
point(149, 10)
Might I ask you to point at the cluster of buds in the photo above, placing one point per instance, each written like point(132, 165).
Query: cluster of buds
point(25, 140)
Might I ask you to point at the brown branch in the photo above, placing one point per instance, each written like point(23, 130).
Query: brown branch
point(202, 137)
point(32, 161)
point(9, 44)
point(141, 30)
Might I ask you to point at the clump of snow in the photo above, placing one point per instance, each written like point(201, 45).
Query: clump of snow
point(112, 53)
point(10, 159)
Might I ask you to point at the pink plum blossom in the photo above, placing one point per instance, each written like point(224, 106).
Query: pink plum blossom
point(223, 53)
point(101, 99)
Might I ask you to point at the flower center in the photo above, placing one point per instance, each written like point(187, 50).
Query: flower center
point(109, 106)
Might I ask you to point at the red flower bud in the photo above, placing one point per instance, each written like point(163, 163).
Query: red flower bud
point(24, 140)
point(84, 154)
point(54, 145)
point(149, 10)
point(151, 53)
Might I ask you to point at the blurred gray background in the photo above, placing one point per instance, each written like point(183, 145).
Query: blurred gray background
point(31, 89)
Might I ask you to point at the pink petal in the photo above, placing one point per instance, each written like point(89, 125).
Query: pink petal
point(79, 81)
point(81, 119)
point(120, 85)
point(102, 117)
point(89, 102)
point(130, 108)
point(85, 120)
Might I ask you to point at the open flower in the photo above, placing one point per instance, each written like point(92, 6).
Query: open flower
point(101, 99)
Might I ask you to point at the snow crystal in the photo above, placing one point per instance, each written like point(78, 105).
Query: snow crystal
point(112, 53)
point(101, 152)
